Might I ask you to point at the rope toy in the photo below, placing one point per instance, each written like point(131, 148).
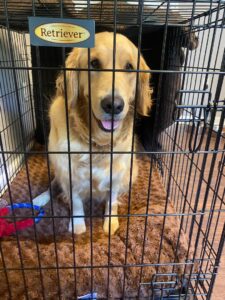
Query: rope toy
point(7, 228)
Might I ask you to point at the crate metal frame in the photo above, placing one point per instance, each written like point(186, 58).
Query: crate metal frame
point(183, 162)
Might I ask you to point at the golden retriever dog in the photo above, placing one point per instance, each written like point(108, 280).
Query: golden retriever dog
point(106, 116)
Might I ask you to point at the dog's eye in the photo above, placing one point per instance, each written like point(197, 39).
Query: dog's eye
point(95, 64)
point(129, 66)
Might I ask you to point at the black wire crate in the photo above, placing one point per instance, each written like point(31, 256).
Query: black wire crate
point(117, 192)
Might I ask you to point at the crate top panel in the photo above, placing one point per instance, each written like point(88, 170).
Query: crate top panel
point(14, 13)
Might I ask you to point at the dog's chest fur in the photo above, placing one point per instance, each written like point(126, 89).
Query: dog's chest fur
point(98, 165)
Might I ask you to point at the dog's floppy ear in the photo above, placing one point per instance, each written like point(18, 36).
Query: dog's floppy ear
point(69, 78)
point(144, 91)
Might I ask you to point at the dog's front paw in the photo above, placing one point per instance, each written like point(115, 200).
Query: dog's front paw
point(42, 199)
point(79, 226)
point(114, 225)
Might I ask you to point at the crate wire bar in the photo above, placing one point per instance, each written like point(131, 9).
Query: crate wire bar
point(154, 12)
point(189, 152)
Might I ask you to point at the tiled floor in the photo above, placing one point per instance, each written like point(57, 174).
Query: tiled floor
point(192, 175)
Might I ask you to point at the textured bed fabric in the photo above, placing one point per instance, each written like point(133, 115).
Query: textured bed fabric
point(65, 248)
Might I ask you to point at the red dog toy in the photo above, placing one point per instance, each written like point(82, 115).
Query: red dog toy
point(7, 228)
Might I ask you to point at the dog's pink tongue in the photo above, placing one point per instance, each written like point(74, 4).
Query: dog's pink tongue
point(108, 124)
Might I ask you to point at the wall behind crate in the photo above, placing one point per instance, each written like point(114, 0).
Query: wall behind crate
point(17, 121)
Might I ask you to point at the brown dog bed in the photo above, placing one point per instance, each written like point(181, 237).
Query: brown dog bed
point(60, 252)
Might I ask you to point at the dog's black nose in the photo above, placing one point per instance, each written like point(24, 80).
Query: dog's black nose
point(107, 105)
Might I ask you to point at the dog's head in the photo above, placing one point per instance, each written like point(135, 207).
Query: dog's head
point(98, 86)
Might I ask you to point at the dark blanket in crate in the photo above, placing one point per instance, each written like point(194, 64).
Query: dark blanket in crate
point(65, 253)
